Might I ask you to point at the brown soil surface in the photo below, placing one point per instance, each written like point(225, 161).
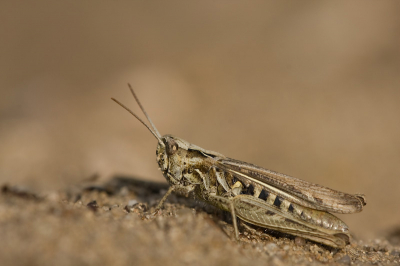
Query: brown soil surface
point(113, 224)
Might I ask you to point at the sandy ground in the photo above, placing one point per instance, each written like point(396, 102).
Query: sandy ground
point(94, 224)
point(309, 89)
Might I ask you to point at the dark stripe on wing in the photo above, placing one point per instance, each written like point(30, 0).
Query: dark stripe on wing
point(264, 195)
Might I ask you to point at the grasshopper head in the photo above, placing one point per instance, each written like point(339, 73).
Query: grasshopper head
point(162, 157)
point(166, 152)
point(171, 157)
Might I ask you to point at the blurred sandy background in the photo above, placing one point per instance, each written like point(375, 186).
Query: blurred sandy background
point(310, 89)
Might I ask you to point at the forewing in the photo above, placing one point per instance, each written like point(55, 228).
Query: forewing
point(307, 194)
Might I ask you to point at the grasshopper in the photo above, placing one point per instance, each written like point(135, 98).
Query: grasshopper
point(255, 195)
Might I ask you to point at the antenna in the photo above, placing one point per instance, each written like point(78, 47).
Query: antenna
point(144, 111)
point(153, 131)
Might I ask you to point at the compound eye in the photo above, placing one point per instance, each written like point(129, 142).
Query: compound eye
point(172, 147)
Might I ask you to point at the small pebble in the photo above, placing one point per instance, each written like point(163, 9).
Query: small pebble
point(132, 203)
point(395, 253)
point(337, 256)
point(114, 206)
point(383, 249)
point(299, 241)
point(345, 260)
point(53, 196)
point(124, 191)
point(271, 248)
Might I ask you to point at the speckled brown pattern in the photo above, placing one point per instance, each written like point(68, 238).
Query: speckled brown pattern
point(107, 224)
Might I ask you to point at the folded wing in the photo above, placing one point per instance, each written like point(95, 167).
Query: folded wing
point(302, 192)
